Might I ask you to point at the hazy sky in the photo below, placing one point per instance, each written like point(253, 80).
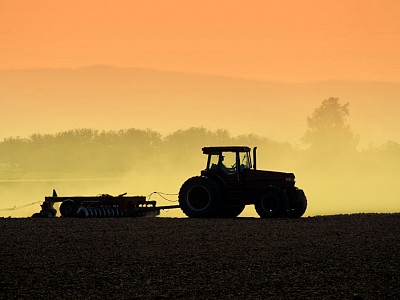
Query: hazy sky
point(285, 40)
point(348, 49)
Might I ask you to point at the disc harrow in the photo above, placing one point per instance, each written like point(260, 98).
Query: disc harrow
point(101, 206)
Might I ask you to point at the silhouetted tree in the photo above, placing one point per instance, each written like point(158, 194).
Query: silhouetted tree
point(328, 128)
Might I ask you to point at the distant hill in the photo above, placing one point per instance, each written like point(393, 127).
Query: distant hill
point(51, 100)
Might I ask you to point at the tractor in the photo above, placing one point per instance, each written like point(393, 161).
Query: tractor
point(231, 181)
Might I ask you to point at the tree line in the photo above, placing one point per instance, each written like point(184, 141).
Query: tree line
point(90, 150)
point(328, 139)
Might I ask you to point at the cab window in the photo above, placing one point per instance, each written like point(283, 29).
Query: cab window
point(244, 160)
point(228, 162)
point(214, 159)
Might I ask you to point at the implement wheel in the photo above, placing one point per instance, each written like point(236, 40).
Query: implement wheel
point(200, 197)
point(68, 208)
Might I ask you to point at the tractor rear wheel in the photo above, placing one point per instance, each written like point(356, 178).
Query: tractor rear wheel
point(271, 203)
point(68, 208)
point(200, 197)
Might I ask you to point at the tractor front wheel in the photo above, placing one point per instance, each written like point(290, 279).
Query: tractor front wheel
point(231, 211)
point(271, 203)
point(298, 204)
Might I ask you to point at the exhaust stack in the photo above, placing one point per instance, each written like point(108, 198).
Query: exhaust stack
point(255, 158)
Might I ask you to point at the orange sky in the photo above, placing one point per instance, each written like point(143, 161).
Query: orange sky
point(346, 43)
point(276, 40)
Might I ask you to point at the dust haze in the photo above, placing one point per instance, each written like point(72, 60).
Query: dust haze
point(338, 176)
point(64, 129)
point(108, 98)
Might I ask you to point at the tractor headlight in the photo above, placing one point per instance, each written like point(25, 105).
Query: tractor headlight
point(289, 179)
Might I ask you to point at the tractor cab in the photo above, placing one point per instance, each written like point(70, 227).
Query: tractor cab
point(228, 161)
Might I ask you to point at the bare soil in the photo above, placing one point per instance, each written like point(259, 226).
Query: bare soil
point(346, 256)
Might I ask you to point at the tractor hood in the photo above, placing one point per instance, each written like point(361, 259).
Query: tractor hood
point(270, 176)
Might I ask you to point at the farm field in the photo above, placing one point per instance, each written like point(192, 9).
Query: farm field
point(330, 257)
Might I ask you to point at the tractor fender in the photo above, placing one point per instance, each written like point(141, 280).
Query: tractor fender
point(218, 180)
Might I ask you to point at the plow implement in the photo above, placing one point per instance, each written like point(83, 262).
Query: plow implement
point(102, 206)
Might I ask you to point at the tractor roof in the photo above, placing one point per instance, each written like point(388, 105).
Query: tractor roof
point(212, 150)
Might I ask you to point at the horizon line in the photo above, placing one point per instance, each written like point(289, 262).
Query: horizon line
point(199, 74)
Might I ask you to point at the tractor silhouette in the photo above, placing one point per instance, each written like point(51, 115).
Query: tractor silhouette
point(231, 181)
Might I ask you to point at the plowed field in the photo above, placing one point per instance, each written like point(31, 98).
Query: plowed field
point(346, 256)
